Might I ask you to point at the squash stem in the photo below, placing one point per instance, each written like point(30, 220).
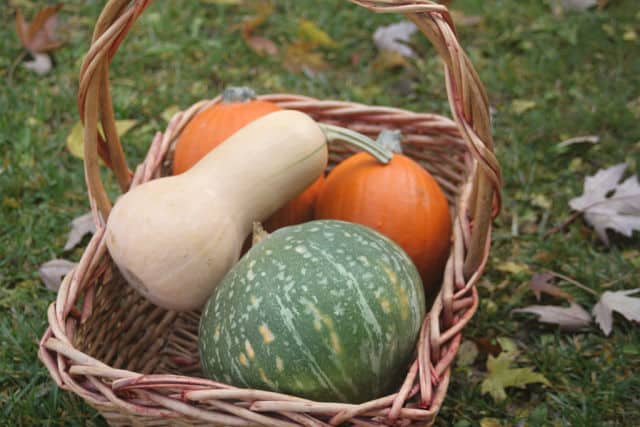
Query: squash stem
point(390, 139)
point(259, 233)
point(332, 133)
point(238, 94)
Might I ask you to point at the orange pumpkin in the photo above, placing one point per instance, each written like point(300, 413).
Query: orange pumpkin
point(214, 125)
point(401, 200)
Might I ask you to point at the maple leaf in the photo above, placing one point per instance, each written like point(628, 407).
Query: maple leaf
point(543, 283)
point(501, 375)
point(79, 227)
point(619, 211)
point(39, 35)
point(52, 272)
point(569, 318)
point(616, 301)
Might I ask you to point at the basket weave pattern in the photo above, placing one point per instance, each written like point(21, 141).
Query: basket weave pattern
point(138, 364)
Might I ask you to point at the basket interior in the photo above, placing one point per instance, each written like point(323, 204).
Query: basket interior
point(125, 331)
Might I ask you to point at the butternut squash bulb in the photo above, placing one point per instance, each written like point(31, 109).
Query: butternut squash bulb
point(174, 238)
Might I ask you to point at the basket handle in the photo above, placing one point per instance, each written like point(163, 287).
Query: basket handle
point(467, 98)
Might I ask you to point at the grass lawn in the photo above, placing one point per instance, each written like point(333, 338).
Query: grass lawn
point(549, 78)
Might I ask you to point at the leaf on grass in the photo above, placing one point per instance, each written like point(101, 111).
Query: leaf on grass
point(501, 375)
point(309, 32)
point(395, 37)
point(260, 45)
point(513, 267)
point(520, 106)
point(616, 301)
point(75, 141)
point(52, 272)
point(169, 112)
point(462, 20)
point(543, 283)
point(578, 5)
point(490, 422)
point(619, 211)
point(467, 353)
point(79, 227)
point(389, 60)
point(225, 2)
point(299, 56)
point(41, 64)
point(39, 35)
point(569, 318)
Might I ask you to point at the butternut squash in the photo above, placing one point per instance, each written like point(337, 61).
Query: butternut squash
point(174, 238)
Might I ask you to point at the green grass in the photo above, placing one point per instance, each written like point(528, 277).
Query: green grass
point(581, 72)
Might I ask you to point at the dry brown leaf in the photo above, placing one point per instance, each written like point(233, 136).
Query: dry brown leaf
point(543, 283)
point(569, 318)
point(79, 227)
point(39, 35)
point(616, 301)
point(41, 63)
point(262, 45)
point(608, 204)
point(52, 272)
point(462, 20)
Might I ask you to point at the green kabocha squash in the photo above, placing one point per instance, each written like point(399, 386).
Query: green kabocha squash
point(326, 310)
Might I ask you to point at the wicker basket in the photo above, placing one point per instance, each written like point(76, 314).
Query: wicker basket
point(137, 363)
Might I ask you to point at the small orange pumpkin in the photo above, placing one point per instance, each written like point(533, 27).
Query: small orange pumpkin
point(401, 200)
point(214, 125)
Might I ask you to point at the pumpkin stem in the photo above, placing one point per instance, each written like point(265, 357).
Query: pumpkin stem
point(332, 133)
point(259, 233)
point(391, 140)
point(238, 94)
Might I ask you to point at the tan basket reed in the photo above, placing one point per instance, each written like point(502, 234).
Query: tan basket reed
point(137, 364)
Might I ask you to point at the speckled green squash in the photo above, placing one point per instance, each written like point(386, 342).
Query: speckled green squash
point(326, 310)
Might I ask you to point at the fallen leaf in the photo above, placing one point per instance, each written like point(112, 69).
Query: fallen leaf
point(169, 112)
point(591, 139)
point(569, 318)
point(485, 346)
point(395, 37)
point(41, 64)
point(616, 301)
point(513, 267)
point(39, 35)
point(578, 5)
point(224, 2)
point(79, 227)
point(501, 375)
point(52, 272)
point(75, 141)
point(490, 422)
point(619, 212)
point(467, 353)
point(543, 283)
point(520, 106)
point(389, 60)
point(299, 56)
point(310, 33)
point(262, 45)
point(462, 20)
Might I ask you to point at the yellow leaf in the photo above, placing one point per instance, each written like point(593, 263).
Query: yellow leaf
point(513, 267)
point(389, 59)
point(490, 422)
point(298, 56)
point(11, 202)
point(230, 2)
point(75, 142)
point(310, 33)
point(501, 375)
point(630, 35)
point(169, 112)
point(520, 106)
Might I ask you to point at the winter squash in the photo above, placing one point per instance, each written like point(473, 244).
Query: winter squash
point(325, 310)
point(212, 126)
point(175, 237)
point(401, 200)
